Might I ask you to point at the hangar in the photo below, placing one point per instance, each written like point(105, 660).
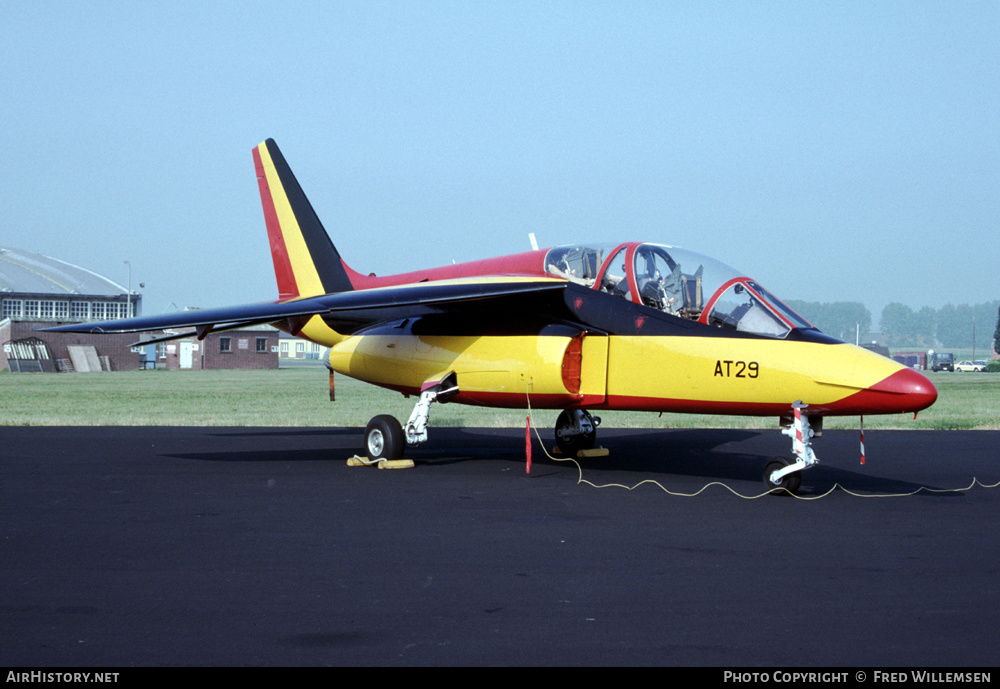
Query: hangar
point(37, 291)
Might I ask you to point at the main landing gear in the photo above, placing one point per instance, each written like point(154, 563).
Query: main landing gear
point(576, 430)
point(783, 475)
point(385, 438)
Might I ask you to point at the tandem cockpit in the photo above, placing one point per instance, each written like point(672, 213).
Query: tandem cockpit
point(678, 282)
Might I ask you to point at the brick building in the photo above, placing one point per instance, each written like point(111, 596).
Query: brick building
point(249, 348)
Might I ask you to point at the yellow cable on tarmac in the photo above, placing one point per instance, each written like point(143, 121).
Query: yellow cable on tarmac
point(835, 486)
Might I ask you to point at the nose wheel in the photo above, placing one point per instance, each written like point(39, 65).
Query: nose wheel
point(788, 482)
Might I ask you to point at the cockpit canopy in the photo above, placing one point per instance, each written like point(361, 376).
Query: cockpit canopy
point(676, 281)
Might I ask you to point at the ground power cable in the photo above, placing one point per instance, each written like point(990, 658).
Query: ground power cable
point(773, 491)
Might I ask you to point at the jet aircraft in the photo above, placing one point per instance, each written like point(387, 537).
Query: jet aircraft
point(623, 325)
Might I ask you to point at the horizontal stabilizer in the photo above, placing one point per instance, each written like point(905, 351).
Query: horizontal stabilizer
point(201, 332)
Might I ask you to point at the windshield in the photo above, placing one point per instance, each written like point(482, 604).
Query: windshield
point(787, 313)
point(739, 308)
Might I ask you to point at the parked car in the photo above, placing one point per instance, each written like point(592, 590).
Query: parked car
point(970, 367)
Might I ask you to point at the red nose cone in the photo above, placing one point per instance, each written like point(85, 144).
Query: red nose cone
point(903, 391)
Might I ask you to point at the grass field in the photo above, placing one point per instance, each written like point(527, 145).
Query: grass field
point(299, 396)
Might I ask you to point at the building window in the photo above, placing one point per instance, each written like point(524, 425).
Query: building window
point(106, 310)
point(284, 348)
point(46, 310)
point(261, 345)
point(80, 310)
point(299, 347)
point(62, 310)
point(12, 308)
point(225, 344)
point(31, 308)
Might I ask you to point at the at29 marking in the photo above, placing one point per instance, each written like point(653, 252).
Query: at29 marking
point(736, 369)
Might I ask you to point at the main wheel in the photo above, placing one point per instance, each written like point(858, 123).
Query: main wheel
point(789, 482)
point(569, 441)
point(384, 438)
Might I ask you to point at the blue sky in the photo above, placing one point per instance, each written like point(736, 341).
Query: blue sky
point(841, 151)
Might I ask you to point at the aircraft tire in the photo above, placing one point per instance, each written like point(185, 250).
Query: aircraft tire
point(570, 445)
point(384, 438)
point(789, 483)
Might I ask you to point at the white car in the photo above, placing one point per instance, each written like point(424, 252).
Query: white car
point(969, 367)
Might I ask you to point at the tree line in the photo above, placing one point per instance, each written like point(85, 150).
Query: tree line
point(962, 326)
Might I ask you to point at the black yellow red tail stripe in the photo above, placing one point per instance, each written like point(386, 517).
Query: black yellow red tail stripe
point(306, 263)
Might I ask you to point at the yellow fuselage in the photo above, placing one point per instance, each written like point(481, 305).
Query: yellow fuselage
point(652, 373)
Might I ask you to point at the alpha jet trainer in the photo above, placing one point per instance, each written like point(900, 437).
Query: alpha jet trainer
point(584, 327)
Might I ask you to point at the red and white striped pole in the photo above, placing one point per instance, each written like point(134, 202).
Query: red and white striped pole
point(862, 440)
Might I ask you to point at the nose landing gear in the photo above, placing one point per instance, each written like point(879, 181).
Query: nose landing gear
point(782, 475)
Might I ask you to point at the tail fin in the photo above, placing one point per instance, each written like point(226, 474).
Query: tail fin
point(305, 261)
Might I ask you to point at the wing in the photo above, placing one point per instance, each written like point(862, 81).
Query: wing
point(348, 312)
